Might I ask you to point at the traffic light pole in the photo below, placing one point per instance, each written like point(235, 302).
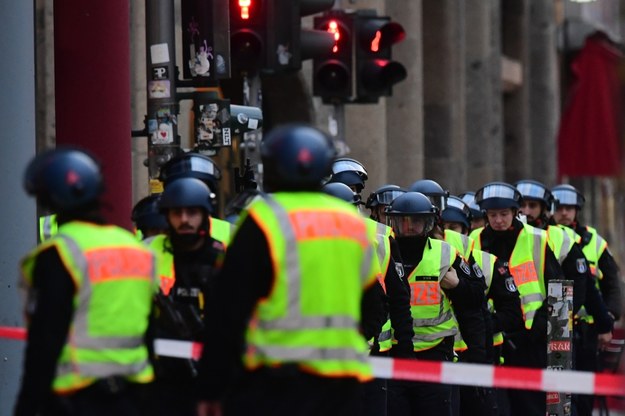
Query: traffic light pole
point(162, 104)
point(336, 126)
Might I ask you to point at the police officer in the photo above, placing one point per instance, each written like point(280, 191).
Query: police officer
point(379, 199)
point(188, 258)
point(147, 217)
point(438, 277)
point(532, 266)
point(350, 172)
point(592, 333)
point(288, 311)
point(196, 165)
point(478, 218)
point(89, 296)
point(397, 301)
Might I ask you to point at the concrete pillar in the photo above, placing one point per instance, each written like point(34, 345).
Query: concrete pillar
point(482, 68)
point(444, 93)
point(515, 20)
point(543, 80)
point(18, 218)
point(496, 131)
point(404, 110)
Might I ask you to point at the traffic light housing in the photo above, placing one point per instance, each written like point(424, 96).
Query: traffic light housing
point(205, 40)
point(267, 35)
point(333, 72)
point(375, 71)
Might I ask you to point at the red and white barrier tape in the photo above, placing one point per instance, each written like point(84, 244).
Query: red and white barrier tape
point(577, 382)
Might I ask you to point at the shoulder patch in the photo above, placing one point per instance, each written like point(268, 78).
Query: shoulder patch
point(399, 268)
point(510, 284)
point(465, 267)
point(580, 265)
point(477, 269)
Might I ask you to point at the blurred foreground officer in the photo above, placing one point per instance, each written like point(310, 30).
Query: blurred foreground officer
point(89, 298)
point(284, 335)
point(147, 217)
point(188, 261)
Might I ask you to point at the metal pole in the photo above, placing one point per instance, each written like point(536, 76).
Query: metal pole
point(162, 104)
point(559, 340)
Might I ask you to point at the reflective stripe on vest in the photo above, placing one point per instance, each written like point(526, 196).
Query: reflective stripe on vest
point(463, 243)
point(115, 279)
point(432, 317)
point(382, 246)
point(560, 242)
point(48, 227)
point(292, 326)
point(593, 251)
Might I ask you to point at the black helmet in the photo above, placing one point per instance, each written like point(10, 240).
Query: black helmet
point(185, 193)
point(341, 191)
point(457, 211)
point(534, 191)
point(498, 195)
point(432, 190)
point(191, 165)
point(469, 199)
point(565, 194)
point(146, 213)
point(64, 180)
point(296, 157)
point(350, 172)
point(384, 195)
point(413, 205)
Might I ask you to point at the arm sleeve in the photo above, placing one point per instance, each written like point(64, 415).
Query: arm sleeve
point(571, 267)
point(508, 315)
point(399, 309)
point(246, 276)
point(611, 284)
point(373, 310)
point(48, 328)
point(468, 302)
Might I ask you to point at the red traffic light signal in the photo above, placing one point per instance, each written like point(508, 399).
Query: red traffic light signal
point(376, 73)
point(332, 73)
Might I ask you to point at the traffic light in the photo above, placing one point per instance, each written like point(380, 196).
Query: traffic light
point(205, 40)
point(267, 35)
point(375, 72)
point(332, 72)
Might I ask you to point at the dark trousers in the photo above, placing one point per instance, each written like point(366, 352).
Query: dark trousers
point(174, 397)
point(375, 396)
point(290, 392)
point(422, 399)
point(520, 351)
point(102, 399)
point(585, 348)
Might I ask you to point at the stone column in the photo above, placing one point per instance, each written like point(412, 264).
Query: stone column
point(404, 110)
point(543, 80)
point(444, 93)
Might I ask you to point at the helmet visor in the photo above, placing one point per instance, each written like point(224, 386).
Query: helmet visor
point(411, 225)
point(565, 197)
point(385, 198)
point(349, 166)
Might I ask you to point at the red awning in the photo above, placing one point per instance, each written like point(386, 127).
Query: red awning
point(589, 140)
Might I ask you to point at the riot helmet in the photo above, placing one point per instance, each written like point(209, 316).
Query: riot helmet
point(341, 191)
point(498, 195)
point(64, 180)
point(185, 193)
point(296, 157)
point(191, 165)
point(384, 195)
point(565, 194)
point(147, 216)
point(534, 191)
point(412, 214)
point(457, 211)
point(350, 172)
point(432, 190)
